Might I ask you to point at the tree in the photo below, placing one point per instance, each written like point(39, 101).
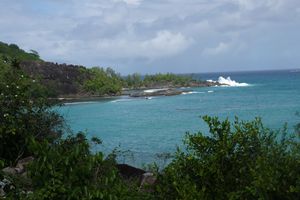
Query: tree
point(24, 112)
point(103, 82)
point(242, 160)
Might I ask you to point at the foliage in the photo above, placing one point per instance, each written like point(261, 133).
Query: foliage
point(68, 170)
point(158, 80)
point(9, 51)
point(167, 79)
point(103, 82)
point(24, 112)
point(242, 160)
point(297, 127)
point(63, 168)
point(133, 81)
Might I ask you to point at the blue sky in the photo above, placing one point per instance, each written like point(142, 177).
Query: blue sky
point(149, 36)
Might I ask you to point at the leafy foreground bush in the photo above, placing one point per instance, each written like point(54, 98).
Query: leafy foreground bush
point(24, 112)
point(68, 170)
point(242, 160)
point(62, 168)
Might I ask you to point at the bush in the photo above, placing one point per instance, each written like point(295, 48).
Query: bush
point(63, 168)
point(242, 160)
point(13, 51)
point(68, 170)
point(24, 112)
point(103, 82)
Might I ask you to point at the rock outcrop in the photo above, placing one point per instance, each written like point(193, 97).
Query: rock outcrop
point(6, 185)
point(146, 179)
point(60, 79)
point(156, 92)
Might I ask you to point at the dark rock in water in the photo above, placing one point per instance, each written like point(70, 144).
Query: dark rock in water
point(156, 92)
point(129, 172)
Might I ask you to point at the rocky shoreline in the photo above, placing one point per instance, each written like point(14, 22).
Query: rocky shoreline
point(135, 93)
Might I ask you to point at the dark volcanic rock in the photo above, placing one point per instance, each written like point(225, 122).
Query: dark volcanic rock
point(157, 92)
point(61, 79)
point(128, 171)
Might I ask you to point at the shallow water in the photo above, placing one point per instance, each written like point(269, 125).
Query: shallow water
point(150, 126)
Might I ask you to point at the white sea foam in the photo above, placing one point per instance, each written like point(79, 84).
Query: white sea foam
point(153, 90)
point(211, 81)
point(210, 91)
point(191, 92)
point(227, 82)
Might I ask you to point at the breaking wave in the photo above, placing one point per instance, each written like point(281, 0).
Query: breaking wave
point(227, 82)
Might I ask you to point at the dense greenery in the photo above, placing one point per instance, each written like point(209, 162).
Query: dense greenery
point(68, 170)
point(108, 82)
point(103, 82)
point(9, 51)
point(242, 160)
point(239, 160)
point(24, 111)
point(64, 80)
point(133, 81)
point(158, 80)
point(63, 168)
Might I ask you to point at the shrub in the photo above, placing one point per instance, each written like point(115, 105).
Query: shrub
point(103, 82)
point(242, 160)
point(24, 112)
point(68, 170)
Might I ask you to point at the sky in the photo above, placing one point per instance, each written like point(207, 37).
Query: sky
point(150, 36)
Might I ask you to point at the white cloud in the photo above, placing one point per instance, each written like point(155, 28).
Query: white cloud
point(130, 2)
point(220, 48)
point(164, 43)
point(133, 2)
point(90, 32)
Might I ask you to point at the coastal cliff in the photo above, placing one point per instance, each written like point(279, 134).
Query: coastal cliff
point(60, 79)
point(75, 82)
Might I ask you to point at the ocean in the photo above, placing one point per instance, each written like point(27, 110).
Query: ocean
point(142, 129)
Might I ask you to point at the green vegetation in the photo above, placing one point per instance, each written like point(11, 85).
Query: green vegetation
point(103, 82)
point(68, 170)
point(63, 168)
point(159, 80)
point(9, 51)
point(242, 160)
point(239, 160)
point(24, 112)
point(134, 81)
point(108, 82)
point(64, 80)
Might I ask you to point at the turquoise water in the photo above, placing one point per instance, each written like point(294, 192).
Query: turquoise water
point(147, 127)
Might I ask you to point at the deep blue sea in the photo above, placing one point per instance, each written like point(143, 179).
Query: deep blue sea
point(147, 127)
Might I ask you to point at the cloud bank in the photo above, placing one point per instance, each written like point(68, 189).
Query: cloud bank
point(164, 35)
